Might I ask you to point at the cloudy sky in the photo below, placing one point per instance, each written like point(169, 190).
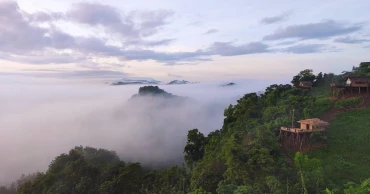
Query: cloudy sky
point(194, 40)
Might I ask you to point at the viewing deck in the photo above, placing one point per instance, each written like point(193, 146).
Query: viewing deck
point(298, 130)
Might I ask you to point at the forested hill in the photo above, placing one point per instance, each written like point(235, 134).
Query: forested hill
point(244, 156)
point(155, 97)
point(153, 91)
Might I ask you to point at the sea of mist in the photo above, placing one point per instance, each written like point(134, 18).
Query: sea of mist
point(41, 118)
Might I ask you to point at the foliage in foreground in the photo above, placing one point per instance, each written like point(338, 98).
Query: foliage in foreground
point(89, 170)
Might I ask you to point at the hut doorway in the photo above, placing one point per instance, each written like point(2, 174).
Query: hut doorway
point(307, 126)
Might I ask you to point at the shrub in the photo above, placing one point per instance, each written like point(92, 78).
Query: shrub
point(322, 105)
point(347, 102)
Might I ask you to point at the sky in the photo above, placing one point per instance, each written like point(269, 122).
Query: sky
point(193, 40)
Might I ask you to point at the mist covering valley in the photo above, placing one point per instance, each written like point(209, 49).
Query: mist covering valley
point(41, 119)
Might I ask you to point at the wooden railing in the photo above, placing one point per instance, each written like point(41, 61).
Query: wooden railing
point(298, 130)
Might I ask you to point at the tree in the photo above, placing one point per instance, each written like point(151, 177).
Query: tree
point(319, 76)
point(194, 149)
point(310, 172)
point(274, 185)
point(207, 174)
point(130, 178)
point(296, 80)
point(245, 190)
point(305, 75)
point(8, 190)
point(226, 189)
point(200, 191)
point(363, 188)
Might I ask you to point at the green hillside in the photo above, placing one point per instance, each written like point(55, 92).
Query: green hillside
point(347, 154)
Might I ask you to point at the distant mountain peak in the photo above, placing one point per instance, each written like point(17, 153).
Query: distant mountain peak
point(154, 91)
point(228, 84)
point(173, 82)
point(130, 81)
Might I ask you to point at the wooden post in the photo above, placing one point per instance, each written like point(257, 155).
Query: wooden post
point(280, 135)
point(293, 119)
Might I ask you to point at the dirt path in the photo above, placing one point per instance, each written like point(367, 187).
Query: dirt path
point(333, 112)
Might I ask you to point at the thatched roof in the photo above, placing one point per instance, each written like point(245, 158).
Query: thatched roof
point(363, 79)
point(315, 122)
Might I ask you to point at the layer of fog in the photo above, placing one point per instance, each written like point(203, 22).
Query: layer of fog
point(40, 119)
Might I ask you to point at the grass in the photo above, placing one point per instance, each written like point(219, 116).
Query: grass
point(347, 154)
point(348, 102)
point(321, 90)
point(321, 106)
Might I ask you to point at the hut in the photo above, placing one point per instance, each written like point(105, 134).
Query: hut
point(314, 124)
point(300, 138)
point(305, 84)
point(353, 86)
point(358, 81)
point(308, 126)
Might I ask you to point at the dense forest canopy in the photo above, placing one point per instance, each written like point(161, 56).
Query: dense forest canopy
point(244, 156)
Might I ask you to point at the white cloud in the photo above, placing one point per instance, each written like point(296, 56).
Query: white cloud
point(41, 121)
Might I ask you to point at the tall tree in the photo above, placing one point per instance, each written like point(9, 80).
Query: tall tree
point(194, 149)
point(305, 75)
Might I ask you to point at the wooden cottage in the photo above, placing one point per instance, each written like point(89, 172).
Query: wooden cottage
point(353, 86)
point(358, 81)
point(308, 126)
point(305, 84)
point(300, 138)
point(314, 124)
